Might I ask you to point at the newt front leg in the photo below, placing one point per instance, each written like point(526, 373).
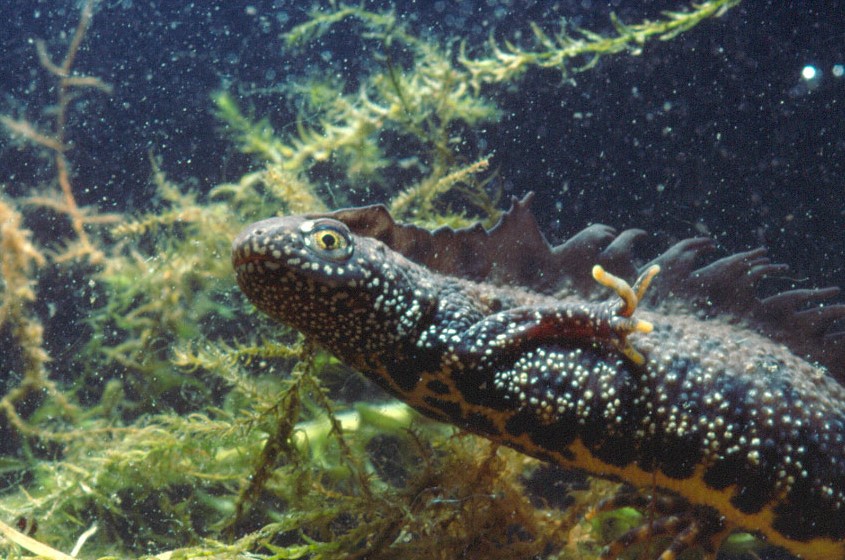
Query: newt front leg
point(508, 332)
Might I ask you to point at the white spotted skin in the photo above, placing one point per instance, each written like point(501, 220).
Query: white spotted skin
point(727, 419)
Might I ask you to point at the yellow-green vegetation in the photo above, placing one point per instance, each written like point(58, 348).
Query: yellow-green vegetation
point(581, 45)
point(185, 425)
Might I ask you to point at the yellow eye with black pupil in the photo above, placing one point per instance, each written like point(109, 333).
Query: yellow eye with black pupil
point(331, 243)
point(328, 240)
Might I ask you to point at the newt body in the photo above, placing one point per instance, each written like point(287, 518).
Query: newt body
point(726, 418)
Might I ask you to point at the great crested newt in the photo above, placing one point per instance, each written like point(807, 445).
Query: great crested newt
point(731, 421)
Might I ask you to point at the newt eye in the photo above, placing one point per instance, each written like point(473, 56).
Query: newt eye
point(329, 241)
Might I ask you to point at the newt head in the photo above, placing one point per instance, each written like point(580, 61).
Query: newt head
point(348, 292)
point(318, 248)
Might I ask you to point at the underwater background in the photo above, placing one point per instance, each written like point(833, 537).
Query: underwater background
point(146, 406)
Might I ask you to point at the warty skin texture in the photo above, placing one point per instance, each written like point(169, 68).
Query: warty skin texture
point(723, 417)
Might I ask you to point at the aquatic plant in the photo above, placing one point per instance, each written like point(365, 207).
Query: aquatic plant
point(509, 62)
point(404, 120)
point(183, 426)
point(414, 112)
point(19, 259)
point(64, 201)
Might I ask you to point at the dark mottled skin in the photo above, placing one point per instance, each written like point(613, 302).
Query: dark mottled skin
point(722, 416)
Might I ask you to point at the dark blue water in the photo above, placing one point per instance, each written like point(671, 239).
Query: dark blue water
point(713, 131)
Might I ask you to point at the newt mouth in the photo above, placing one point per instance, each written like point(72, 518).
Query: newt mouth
point(242, 258)
point(243, 261)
